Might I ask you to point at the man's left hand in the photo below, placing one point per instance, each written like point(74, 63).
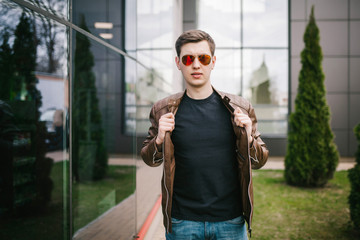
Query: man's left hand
point(242, 120)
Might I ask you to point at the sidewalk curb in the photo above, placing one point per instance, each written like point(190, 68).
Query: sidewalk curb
point(149, 220)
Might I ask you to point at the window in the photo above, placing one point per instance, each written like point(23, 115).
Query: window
point(252, 55)
point(155, 73)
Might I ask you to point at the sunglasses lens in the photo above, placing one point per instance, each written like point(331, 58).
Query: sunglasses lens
point(205, 59)
point(187, 60)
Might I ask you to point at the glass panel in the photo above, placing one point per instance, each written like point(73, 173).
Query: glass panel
point(266, 86)
point(265, 23)
point(154, 83)
point(239, 68)
point(226, 75)
point(103, 159)
point(155, 71)
point(103, 19)
point(130, 25)
point(222, 20)
point(34, 126)
point(155, 24)
point(130, 97)
point(56, 7)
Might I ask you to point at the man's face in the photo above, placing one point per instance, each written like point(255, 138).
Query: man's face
point(196, 74)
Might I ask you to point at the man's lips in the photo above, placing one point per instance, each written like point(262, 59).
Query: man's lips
point(196, 74)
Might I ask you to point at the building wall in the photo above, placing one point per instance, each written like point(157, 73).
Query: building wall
point(339, 24)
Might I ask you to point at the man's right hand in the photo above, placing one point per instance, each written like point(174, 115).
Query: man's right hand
point(166, 124)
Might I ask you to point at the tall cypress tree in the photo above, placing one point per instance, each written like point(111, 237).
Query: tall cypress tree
point(312, 156)
point(6, 68)
point(89, 153)
point(25, 63)
point(27, 100)
point(24, 51)
point(354, 177)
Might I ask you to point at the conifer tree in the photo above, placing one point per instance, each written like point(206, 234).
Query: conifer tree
point(24, 49)
point(6, 68)
point(27, 98)
point(354, 177)
point(89, 153)
point(312, 156)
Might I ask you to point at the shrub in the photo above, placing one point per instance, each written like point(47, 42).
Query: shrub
point(312, 156)
point(354, 177)
point(89, 152)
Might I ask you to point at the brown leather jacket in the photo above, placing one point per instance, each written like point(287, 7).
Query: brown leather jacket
point(248, 157)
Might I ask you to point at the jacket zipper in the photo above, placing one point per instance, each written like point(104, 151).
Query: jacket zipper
point(227, 103)
point(167, 192)
point(249, 189)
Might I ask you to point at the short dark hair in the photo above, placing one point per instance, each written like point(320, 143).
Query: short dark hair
point(194, 36)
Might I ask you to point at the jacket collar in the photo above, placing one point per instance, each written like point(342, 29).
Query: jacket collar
point(174, 101)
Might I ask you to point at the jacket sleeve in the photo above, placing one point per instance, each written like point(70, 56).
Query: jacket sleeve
point(149, 152)
point(258, 150)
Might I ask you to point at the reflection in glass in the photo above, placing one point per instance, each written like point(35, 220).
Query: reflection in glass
point(256, 68)
point(130, 98)
point(89, 157)
point(265, 23)
point(35, 177)
point(152, 83)
point(33, 136)
point(222, 20)
point(56, 7)
point(103, 183)
point(266, 73)
point(155, 51)
point(155, 24)
point(266, 85)
point(107, 12)
point(227, 72)
point(155, 46)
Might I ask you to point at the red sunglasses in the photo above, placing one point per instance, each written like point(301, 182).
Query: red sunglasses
point(189, 59)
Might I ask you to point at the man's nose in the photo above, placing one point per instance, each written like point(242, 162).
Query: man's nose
point(196, 63)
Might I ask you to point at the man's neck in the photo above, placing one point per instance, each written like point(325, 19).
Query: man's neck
point(199, 93)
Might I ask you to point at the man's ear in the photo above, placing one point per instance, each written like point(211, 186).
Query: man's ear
point(213, 62)
point(177, 61)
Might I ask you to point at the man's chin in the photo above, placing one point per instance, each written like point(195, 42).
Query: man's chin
point(197, 83)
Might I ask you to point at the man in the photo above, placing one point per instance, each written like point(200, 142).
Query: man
point(208, 143)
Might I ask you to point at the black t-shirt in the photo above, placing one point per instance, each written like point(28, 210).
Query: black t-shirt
point(206, 184)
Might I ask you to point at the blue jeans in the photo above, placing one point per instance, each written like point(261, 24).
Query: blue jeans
point(234, 229)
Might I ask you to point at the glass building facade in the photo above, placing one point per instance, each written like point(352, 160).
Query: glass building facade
point(252, 55)
point(78, 79)
point(65, 71)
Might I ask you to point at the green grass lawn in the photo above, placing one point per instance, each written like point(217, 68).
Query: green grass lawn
point(286, 212)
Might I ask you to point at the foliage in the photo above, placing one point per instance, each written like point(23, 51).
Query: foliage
point(89, 152)
point(6, 68)
point(312, 156)
point(19, 92)
point(24, 56)
point(49, 34)
point(354, 177)
point(24, 49)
